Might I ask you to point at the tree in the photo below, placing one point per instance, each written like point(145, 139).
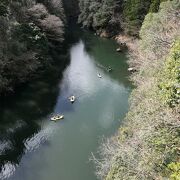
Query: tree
point(100, 15)
point(134, 12)
point(27, 27)
point(50, 24)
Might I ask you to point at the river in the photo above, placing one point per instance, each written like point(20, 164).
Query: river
point(34, 148)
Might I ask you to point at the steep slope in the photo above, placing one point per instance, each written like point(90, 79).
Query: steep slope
point(27, 30)
point(147, 145)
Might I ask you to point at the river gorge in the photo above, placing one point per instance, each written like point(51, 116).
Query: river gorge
point(33, 147)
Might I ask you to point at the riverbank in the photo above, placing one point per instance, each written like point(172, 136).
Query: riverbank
point(129, 41)
point(147, 144)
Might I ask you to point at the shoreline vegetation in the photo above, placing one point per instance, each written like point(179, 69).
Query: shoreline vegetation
point(110, 17)
point(147, 145)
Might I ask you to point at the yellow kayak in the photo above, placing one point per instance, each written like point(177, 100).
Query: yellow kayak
point(57, 117)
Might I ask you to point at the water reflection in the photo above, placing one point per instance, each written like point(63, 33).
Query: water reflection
point(21, 114)
point(80, 75)
point(24, 125)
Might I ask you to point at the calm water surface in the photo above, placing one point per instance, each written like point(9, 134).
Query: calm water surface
point(32, 147)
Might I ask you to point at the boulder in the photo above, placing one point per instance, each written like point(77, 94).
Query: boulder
point(122, 47)
point(119, 49)
point(104, 34)
point(131, 69)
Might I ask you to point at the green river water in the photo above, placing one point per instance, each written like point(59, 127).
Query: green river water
point(34, 148)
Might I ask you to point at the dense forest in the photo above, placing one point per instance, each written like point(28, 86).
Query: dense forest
point(28, 29)
point(109, 17)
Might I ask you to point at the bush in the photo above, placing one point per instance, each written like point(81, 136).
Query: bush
point(134, 12)
point(175, 170)
point(170, 77)
point(99, 15)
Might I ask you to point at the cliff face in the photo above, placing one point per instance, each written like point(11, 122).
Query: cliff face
point(27, 29)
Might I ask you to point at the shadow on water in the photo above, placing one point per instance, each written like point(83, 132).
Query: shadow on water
point(23, 114)
point(22, 111)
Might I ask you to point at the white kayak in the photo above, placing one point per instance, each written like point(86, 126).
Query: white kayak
point(99, 75)
point(72, 99)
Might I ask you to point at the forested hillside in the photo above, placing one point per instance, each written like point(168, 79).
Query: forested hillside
point(147, 145)
point(109, 17)
point(27, 29)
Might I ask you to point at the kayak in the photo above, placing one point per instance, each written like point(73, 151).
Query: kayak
point(57, 117)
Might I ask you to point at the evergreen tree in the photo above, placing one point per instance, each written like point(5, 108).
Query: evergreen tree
point(26, 30)
point(134, 12)
point(99, 14)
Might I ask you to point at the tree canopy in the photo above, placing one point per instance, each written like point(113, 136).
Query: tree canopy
point(27, 28)
point(116, 15)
